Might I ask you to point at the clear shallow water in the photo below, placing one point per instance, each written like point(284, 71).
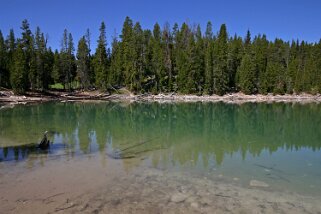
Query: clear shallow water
point(275, 143)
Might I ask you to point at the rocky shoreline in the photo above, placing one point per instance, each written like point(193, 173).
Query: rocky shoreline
point(143, 190)
point(231, 98)
point(10, 98)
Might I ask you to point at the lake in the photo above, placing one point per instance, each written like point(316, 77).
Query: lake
point(122, 157)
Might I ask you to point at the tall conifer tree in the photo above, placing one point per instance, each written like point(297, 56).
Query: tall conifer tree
point(221, 76)
point(19, 75)
point(101, 60)
point(83, 63)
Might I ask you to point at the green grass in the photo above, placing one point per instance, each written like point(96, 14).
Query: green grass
point(57, 86)
point(74, 85)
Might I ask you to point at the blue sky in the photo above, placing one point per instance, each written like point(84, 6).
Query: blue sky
point(286, 19)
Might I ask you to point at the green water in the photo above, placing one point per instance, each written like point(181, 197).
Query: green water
point(275, 143)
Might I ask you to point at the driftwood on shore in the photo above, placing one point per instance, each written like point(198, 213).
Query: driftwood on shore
point(7, 96)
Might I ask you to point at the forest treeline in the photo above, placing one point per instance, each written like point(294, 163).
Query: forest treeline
point(180, 59)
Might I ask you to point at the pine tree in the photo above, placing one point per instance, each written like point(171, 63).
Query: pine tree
point(315, 68)
point(208, 59)
point(175, 35)
point(260, 51)
point(247, 42)
point(274, 78)
point(32, 69)
point(292, 68)
point(64, 58)
point(190, 77)
point(101, 60)
point(317, 72)
point(57, 72)
point(157, 61)
point(41, 74)
point(247, 71)
point(148, 81)
point(10, 49)
point(27, 42)
point(128, 53)
point(308, 76)
point(167, 42)
point(138, 71)
point(11, 42)
point(4, 72)
point(71, 61)
point(91, 69)
point(221, 76)
point(301, 52)
point(199, 61)
point(67, 60)
point(276, 67)
point(247, 75)
point(19, 75)
point(116, 75)
point(83, 63)
point(88, 40)
point(182, 57)
point(235, 54)
point(48, 68)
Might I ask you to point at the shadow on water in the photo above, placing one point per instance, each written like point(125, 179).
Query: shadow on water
point(22, 152)
point(49, 149)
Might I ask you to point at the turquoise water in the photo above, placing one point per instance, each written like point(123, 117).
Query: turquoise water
point(275, 143)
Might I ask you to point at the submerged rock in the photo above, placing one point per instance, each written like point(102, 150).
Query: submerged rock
point(194, 205)
point(256, 183)
point(178, 197)
point(205, 200)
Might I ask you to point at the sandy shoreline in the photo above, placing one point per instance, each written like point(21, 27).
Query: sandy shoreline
point(9, 98)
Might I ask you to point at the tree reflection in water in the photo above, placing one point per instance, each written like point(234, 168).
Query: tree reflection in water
point(188, 131)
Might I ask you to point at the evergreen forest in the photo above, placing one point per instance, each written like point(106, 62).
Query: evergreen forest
point(165, 59)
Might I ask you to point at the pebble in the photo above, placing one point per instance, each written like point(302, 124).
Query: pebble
point(194, 205)
point(191, 199)
point(256, 183)
point(178, 197)
point(205, 201)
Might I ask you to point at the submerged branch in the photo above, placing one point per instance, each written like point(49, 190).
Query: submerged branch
point(133, 146)
point(65, 208)
point(269, 168)
point(272, 168)
point(126, 154)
